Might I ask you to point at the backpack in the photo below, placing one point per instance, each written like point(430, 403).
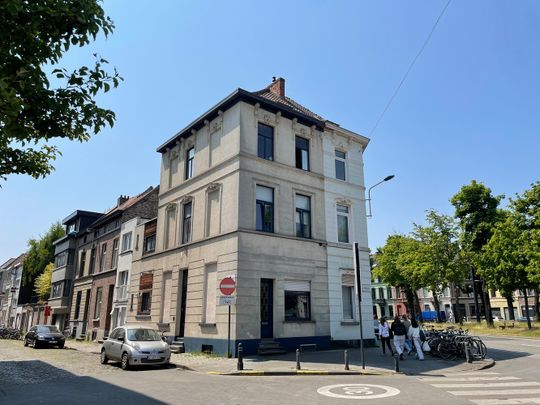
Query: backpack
point(399, 329)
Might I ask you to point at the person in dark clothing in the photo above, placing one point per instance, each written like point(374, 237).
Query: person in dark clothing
point(384, 333)
point(400, 333)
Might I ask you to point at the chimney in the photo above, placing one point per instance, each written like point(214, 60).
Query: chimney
point(122, 199)
point(278, 86)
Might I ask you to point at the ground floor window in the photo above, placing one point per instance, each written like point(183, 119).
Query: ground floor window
point(297, 301)
point(347, 295)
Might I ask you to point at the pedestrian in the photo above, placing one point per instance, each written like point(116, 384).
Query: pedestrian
point(407, 345)
point(399, 331)
point(384, 332)
point(415, 334)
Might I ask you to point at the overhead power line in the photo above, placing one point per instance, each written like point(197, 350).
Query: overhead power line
point(410, 68)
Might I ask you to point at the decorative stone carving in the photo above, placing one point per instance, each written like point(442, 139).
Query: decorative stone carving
point(343, 201)
point(171, 207)
point(213, 187)
point(186, 199)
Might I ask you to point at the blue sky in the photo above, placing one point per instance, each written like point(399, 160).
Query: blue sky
point(468, 110)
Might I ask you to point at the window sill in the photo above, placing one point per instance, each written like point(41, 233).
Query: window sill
point(207, 324)
point(298, 321)
point(349, 322)
point(126, 252)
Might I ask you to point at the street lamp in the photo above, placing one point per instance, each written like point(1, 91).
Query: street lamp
point(387, 178)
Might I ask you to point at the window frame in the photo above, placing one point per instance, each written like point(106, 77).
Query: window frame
point(264, 205)
point(97, 304)
point(128, 236)
point(300, 212)
point(346, 214)
point(340, 160)
point(114, 259)
point(190, 164)
point(265, 138)
point(187, 222)
point(351, 296)
point(290, 295)
point(102, 256)
point(299, 156)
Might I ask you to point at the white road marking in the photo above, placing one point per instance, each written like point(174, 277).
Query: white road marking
point(488, 385)
point(509, 401)
point(471, 373)
point(358, 391)
point(530, 345)
point(495, 392)
point(468, 378)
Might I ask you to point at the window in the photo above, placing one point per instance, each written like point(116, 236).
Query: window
point(303, 216)
point(123, 278)
point(56, 290)
point(146, 282)
point(186, 222)
point(389, 292)
point(170, 226)
point(340, 164)
point(265, 144)
point(297, 301)
point(373, 294)
point(102, 257)
point(67, 288)
point(210, 288)
point(71, 228)
point(82, 263)
point(97, 307)
point(114, 262)
point(190, 155)
point(150, 243)
point(126, 242)
point(343, 223)
point(61, 260)
point(347, 293)
point(390, 311)
point(92, 260)
point(265, 209)
point(302, 153)
point(381, 293)
point(149, 236)
point(78, 305)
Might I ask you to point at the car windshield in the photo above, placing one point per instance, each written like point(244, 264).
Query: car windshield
point(47, 329)
point(142, 335)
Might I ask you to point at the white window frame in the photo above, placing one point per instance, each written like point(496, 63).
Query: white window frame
point(347, 215)
point(344, 160)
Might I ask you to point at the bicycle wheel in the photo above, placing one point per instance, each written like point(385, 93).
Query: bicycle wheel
point(446, 350)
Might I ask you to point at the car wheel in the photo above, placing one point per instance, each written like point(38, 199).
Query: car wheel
point(25, 343)
point(103, 359)
point(125, 361)
point(165, 365)
point(35, 344)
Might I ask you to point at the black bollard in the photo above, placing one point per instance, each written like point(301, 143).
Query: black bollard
point(396, 362)
point(346, 355)
point(298, 359)
point(240, 365)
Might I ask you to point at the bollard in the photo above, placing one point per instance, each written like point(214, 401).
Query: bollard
point(240, 365)
point(346, 355)
point(396, 363)
point(468, 355)
point(298, 359)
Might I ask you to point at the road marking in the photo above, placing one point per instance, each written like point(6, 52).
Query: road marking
point(471, 373)
point(495, 392)
point(509, 401)
point(468, 378)
point(530, 345)
point(358, 391)
point(488, 385)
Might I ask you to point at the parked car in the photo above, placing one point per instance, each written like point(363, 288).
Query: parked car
point(44, 335)
point(135, 346)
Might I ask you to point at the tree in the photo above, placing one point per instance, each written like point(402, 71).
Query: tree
point(42, 285)
point(40, 253)
point(397, 264)
point(439, 260)
point(476, 209)
point(34, 109)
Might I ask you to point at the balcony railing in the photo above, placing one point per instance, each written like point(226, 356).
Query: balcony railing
point(121, 293)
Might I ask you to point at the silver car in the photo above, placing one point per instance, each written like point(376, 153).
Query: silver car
point(135, 346)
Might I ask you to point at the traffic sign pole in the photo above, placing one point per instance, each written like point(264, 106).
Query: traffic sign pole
point(356, 257)
point(227, 286)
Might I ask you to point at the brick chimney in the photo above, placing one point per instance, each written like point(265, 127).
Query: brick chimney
point(122, 199)
point(278, 86)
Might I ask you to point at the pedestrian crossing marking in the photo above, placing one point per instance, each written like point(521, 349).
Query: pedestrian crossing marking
point(509, 401)
point(488, 385)
point(495, 392)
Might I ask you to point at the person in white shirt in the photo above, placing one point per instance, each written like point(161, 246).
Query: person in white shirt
point(384, 333)
point(414, 334)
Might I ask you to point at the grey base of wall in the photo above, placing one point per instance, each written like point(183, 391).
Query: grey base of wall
point(250, 346)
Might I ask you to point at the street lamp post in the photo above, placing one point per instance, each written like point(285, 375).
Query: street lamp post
point(387, 178)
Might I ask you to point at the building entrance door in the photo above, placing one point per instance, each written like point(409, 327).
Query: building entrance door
point(181, 313)
point(267, 308)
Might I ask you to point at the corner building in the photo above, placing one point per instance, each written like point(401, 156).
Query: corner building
point(243, 194)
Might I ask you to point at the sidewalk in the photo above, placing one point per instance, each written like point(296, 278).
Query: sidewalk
point(316, 362)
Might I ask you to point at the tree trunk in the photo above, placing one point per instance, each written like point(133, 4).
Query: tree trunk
point(417, 306)
point(510, 303)
point(487, 307)
point(527, 308)
point(536, 305)
point(410, 302)
point(475, 294)
point(437, 305)
point(457, 313)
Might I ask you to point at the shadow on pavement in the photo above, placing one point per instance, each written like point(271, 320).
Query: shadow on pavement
point(24, 382)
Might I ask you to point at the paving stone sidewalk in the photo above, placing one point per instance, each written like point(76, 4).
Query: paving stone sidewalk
point(328, 361)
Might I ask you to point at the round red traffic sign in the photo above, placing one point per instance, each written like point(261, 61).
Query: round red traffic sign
point(227, 286)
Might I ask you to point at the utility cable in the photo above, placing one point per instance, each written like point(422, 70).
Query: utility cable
point(410, 68)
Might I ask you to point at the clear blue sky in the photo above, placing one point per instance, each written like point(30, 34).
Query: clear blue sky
point(470, 108)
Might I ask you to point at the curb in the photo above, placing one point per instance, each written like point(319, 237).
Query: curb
point(491, 363)
point(296, 372)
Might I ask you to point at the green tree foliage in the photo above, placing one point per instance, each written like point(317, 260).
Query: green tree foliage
point(33, 110)
point(42, 285)
point(41, 253)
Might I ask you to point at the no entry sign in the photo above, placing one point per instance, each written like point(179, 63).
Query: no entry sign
point(227, 286)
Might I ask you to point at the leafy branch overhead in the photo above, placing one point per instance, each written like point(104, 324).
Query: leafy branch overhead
point(40, 101)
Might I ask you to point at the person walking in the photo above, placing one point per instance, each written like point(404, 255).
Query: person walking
point(408, 344)
point(399, 331)
point(414, 334)
point(384, 333)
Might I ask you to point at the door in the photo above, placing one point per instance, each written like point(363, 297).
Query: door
point(267, 308)
point(166, 298)
point(181, 316)
point(109, 310)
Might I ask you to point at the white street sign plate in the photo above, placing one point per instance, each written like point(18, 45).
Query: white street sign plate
point(227, 300)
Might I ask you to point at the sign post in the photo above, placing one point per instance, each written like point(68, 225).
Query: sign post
point(227, 287)
point(356, 258)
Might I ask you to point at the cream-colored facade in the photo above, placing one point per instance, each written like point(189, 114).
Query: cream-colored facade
point(208, 229)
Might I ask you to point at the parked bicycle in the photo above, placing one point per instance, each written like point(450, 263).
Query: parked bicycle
point(10, 333)
point(451, 343)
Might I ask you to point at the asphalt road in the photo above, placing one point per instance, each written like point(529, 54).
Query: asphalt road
point(73, 376)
